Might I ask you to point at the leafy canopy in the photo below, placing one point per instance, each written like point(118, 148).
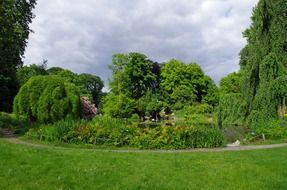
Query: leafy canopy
point(186, 84)
point(15, 17)
point(263, 65)
point(48, 99)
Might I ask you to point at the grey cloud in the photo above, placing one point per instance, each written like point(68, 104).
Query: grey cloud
point(83, 35)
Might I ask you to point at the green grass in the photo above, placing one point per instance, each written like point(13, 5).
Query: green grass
point(23, 167)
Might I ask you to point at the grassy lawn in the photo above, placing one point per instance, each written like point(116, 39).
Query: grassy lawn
point(24, 167)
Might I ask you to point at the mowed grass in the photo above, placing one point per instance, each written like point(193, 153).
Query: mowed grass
point(25, 167)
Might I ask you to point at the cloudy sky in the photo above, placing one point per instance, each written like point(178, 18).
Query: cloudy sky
point(83, 35)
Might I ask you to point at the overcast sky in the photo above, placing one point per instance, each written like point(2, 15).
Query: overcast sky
point(83, 35)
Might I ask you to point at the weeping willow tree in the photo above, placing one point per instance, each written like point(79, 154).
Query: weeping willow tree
point(263, 66)
point(48, 99)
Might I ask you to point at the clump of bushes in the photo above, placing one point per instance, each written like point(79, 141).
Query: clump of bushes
point(199, 109)
point(11, 120)
point(48, 99)
point(179, 137)
point(272, 129)
point(198, 114)
point(121, 132)
point(17, 124)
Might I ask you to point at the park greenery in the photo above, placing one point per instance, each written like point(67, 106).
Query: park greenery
point(104, 131)
point(15, 17)
point(149, 105)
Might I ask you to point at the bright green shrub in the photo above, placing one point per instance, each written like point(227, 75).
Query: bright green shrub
point(198, 119)
point(118, 106)
point(196, 114)
point(48, 99)
point(199, 109)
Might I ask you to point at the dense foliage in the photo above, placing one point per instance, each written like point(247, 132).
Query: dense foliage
point(133, 75)
point(231, 83)
point(48, 99)
point(17, 124)
point(15, 17)
point(141, 86)
point(263, 67)
point(186, 84)
point(119, 132)
point(144, 89)
point(26, 72)
point(90, 85)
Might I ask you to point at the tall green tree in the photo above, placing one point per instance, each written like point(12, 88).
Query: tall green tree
point(15, 17)
point(48, 99)
point(26, 72)
point(186, 84)
point(89, 85)
point(133, 75)
point(263, 64)
point(264, 59)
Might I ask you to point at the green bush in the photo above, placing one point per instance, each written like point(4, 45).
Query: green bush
point(11, 121)
point(199, 109)
point(195, 119)
point(197, 114)
point(118, 106)
point(120, 133)
point(53, 132)
point(48, 99)
point(179, 137)
point(272, 129)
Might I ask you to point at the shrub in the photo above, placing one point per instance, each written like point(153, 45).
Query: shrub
point(118, 106)
point(199, 109)
point(17, 124)
point(53, 132)
point(48, 99)
point(120, 132)
point(271, 129)
point(197, 114)
point(198, 119)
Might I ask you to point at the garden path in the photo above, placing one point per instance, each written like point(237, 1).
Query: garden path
point(14, 140)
